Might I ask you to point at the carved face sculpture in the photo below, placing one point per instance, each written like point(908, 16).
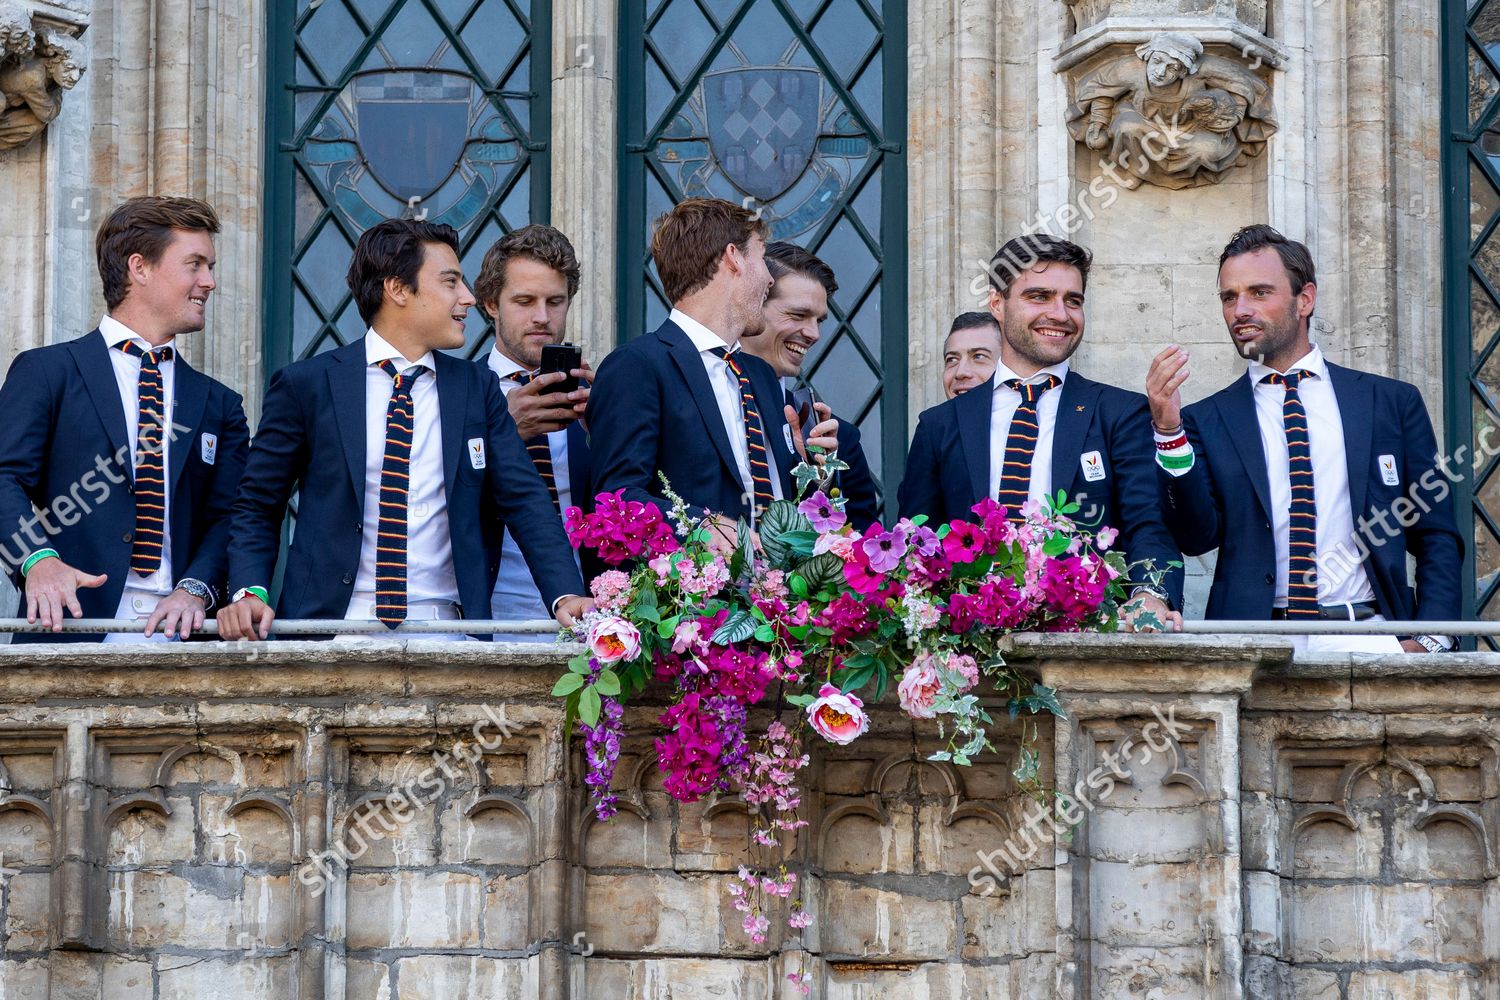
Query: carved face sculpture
point(1163, 70)
point(16, 36)
point(66, 72)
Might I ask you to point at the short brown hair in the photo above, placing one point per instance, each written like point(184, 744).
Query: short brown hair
point(144, 226)
point(783, 258)
point(1295, 257)
point(542, 244)
point(690, 239)
point(1026, 252)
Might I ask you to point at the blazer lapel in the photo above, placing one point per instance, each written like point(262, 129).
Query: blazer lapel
point(690, 364)
point(1356, 398)
point(1075, 412)
point(453, 398)
point(91, 355)
point(189, 397)
point(580, 471)
point(972, 411)
point(1242, 426)
point(346, 382)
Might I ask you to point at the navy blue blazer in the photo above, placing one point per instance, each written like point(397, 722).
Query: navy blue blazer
point(312, 440)
point(652, 410)
point(948, 468)
point(67, 451)
point(1224, 503)
point(580, 489)
point(856, 483)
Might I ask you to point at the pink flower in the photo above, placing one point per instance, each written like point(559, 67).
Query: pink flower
point(918, 687)
point(611, 640)
point(620, 530)
point(687, 638)
point(837, 717)
point(963, 543)
point(884, 549)
point(822, 512)
point(611, 590)
point(860, 575)
point(840, 545)
point(662, 567)
point(1073, 588)
point(964, 666)
point(1106, 537)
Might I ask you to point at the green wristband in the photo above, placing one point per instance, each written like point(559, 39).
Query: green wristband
point(1171, 462)
point(37, 557)
point(260, 592)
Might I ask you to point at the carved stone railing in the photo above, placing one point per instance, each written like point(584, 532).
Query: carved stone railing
point(205, 820)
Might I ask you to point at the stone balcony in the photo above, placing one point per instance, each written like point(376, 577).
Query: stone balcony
point(1246, 824)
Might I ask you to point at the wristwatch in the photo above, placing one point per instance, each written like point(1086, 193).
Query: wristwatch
point(1156, 592)
point(198, 589)
point(1431, 644)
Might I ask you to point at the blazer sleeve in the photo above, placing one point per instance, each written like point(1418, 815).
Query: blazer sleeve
point(273, 468)
point(1434, 539)
point(524, 505)
point(27, 412)
point(921, 490)
point(856, 483)
point(1143, 532)
point(210, 563)
point(1189, 502)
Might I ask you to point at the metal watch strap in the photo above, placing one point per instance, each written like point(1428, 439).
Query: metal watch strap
point(200, 590)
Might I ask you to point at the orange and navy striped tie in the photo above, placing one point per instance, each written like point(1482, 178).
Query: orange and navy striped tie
point(755, 436)
point(1302, 538)
point(150, 479)
point(539, 448)
point(395, 485)
point(1020, 445)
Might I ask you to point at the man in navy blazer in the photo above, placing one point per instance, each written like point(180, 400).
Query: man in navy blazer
point(802, 287)
point(1313, 481)
point(526, 284)
point(670, 403)
point(1037, 427)
point(393, 447)
point(121, 460)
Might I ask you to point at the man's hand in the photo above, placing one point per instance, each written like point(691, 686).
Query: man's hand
point(723, 534)
point(825, 434)
point(1145, 605)
point(1095, 138)
point(178, 610)
point(537, 412)
point(1163, 385)
point(247, 618)
point(51, 586)
point(571, 608)
point(1412, 646)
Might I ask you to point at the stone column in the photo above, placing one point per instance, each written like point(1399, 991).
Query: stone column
point(585, 164)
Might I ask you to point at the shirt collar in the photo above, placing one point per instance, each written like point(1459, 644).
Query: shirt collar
point(1003, 373)
point(504, 366)
point(116, 333)
point(378, 349)
point(1312, 362)
point(702, 337)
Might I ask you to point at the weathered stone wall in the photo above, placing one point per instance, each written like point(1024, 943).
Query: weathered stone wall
point(1238, 824)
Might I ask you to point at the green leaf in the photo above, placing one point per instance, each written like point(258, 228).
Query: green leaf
point(798, 585)
point(589, 707)
point(579, 664)
point(800, 543)
point(608, 683)
point(667, 627)
point(799, 632)
point(567, 684)
point(824, 572)
point(800, 700)
point(1056, 545)
point(647, 598)
point(1047, 698)
point(765, 633)
point(648, 613)
point(780, 518)
point(739, 627)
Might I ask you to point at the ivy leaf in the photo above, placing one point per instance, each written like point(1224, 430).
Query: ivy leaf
point(589, 707)
point(608, 683)
point(780, 518)
point(1046, 698)
point(739, 627)
point(567, 684)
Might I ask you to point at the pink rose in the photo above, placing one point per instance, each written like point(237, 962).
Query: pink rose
point(840, 545)
point(837, 717)
point(612, 640)
point(918, 687)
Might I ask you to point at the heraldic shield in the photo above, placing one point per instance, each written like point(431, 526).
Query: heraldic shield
point(413, 126)
point(762, 124)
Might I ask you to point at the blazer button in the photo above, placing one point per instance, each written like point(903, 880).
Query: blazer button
point(125, 537)
point(359, 529)
point(1270, 577)
point(347, 578)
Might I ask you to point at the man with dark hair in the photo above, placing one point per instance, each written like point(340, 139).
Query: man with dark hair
point(393, 447)
point(1037, 428)
point(1288, 470)
point(525, 285)
point(121, 459)
point(970, 352)
point(802, 287)
point(684, 402)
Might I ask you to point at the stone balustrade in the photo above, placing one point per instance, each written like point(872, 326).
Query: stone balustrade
point(317, 820)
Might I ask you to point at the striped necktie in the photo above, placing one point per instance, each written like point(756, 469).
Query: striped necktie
point(755, 435)
point(150, 479)
point(395, 484)
point(539, 448)
point(1302, 537)
point(1020, 445)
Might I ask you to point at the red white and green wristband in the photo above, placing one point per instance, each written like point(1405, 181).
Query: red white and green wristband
point(37, 557)
point(260, 592)
point(1173, 452)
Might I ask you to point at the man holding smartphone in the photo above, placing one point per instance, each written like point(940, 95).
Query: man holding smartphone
point(526, 284)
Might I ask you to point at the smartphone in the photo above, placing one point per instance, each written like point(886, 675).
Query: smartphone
point(803, 398)
point(561, 358)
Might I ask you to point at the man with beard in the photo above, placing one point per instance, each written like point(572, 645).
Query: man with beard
point(1037, 427)
point(797, 305)
point(684, 403)
point(1277, 469)
point(526, 284)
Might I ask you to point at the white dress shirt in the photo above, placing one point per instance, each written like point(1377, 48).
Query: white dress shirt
point(1003, 404)
point(141, 593)
point(429, 547)
point(1330, 479)
point(727, 393)
point(515, 597)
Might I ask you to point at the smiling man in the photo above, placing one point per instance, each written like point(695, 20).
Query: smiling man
point(1037, 427)
point(397, 450)
point(970, 352)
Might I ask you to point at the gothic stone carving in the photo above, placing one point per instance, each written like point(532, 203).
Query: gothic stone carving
point(37, 63)
point(1170, 115)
